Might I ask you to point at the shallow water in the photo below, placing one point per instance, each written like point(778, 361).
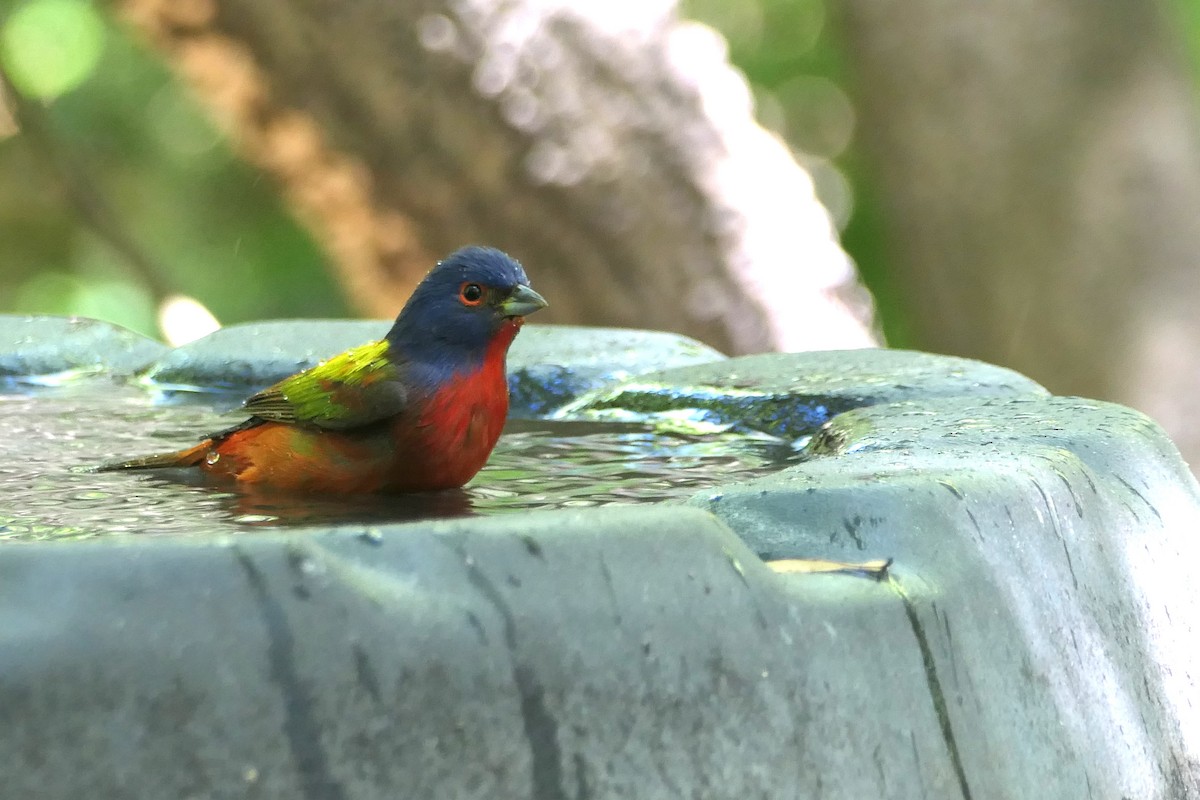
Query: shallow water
point(48, 434)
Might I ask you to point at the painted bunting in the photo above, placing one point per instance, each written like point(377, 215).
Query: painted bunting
point(419, 410)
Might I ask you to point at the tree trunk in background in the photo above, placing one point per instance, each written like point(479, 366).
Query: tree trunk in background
point(1039, 162)
point(613, 152)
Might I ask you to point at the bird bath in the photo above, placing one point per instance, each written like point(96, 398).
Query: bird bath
point(1033, 638)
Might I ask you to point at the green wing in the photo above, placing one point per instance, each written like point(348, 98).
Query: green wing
point(355, 388)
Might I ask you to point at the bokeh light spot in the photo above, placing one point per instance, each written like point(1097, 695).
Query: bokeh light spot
point(178, 124)
point(49, 47)
point(184, 319)
point(820, 117)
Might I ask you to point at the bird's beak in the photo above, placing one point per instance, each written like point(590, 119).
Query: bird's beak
point(521, 302)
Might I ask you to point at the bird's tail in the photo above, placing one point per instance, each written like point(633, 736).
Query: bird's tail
point(180, 458)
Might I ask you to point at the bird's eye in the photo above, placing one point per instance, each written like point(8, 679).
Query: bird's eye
point(471, 294)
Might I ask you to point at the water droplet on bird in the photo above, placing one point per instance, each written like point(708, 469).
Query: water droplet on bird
point(212, 457)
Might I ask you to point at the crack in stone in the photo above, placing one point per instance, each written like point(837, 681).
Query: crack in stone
point(541, 728)
point(1141, 497)
point(736, 564)
point(1058, 532)
point(300, 726)
point(365, 673)
point(935, 687)
point(582, 789)
point(852, 526)
point(612, 592)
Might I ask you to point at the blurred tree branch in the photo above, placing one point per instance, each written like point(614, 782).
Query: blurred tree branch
point(614, 152)
point(1040, 166)
point(82, 191)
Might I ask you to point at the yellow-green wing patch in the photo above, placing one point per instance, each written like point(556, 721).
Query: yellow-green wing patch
point(354, 388)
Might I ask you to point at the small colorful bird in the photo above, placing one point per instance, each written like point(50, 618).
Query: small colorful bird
point(419, 410)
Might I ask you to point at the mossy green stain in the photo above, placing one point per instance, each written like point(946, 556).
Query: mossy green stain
point(840, 435)
point(779, 414)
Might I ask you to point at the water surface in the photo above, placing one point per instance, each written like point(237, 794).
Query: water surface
point(48, 434)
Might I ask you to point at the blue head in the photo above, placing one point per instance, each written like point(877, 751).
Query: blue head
point(461, 306)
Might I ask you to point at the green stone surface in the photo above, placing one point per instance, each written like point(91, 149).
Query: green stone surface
point(1043, 553)
point(792, 394)
point(1034, 638)
point(36, 347)
point(619, 652)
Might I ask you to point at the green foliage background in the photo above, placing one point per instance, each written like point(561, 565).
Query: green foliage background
point(132, 141)
point(116, 190)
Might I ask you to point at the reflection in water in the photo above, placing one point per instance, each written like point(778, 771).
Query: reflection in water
point(47, 437)
point(262, 507)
